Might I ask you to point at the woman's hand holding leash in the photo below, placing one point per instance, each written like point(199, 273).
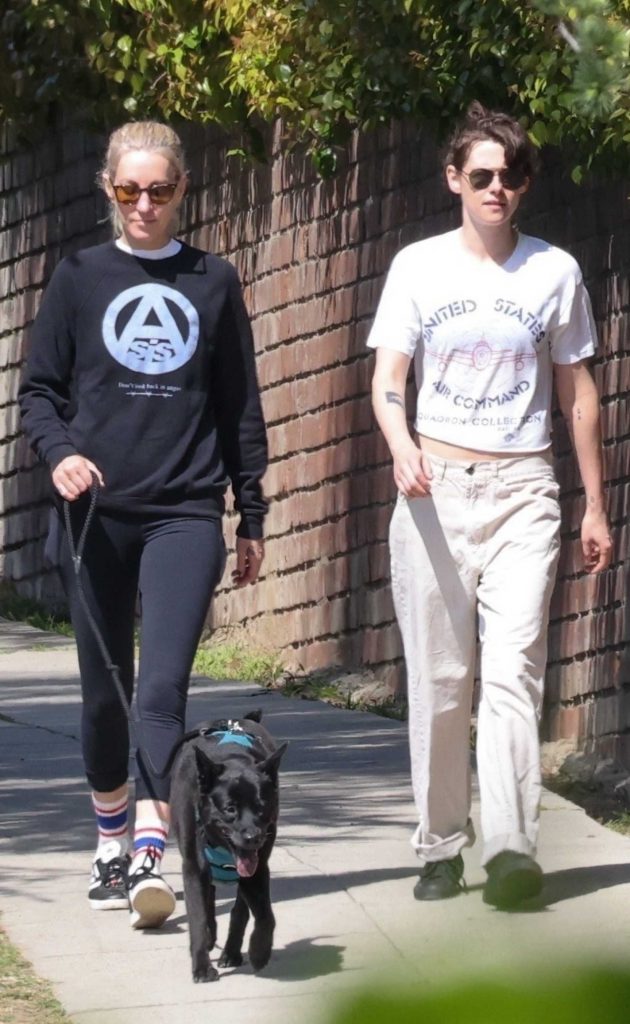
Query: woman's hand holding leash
point(72, 477)
point(249, 557)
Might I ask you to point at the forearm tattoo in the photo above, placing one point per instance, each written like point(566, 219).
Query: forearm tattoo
point(394, 399)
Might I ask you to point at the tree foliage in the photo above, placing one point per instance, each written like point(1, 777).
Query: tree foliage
point(326, 66)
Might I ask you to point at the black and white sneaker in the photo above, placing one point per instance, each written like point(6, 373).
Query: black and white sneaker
point(108, 881)
point(151, 899)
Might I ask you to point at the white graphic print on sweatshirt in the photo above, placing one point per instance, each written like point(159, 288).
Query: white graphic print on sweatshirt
point(151, 329)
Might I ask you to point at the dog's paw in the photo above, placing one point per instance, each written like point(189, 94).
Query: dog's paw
point(259, 962)
point(230, 959)
point(205, 972)
point(259, 954)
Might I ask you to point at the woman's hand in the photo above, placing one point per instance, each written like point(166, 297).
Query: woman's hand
point(597, 546)
point(249, 556)
point(412, 470)
point(73, 476)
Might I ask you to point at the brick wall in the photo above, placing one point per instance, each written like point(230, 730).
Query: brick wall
point(48, 207)
point(312, 255)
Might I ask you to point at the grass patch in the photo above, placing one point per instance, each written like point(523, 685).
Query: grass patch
point(620, 822)
point(23, 609)
point(235, 660)
point(25, 998)
point(317, 688)
point(331, 686)
point(395, 708)
point(229, 658)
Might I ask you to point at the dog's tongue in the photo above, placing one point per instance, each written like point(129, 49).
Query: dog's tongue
point(246, 866)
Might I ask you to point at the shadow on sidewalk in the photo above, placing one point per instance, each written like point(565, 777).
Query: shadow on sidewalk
point(572, 882)
point(345, 773)
point(305, 959)
point(345, 776)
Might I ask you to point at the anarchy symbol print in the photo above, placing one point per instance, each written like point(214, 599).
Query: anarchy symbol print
point(151, 329)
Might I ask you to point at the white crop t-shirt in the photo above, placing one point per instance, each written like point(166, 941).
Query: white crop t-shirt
point(484, 336)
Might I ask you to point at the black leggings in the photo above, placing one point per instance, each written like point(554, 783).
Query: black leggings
point(175, 565)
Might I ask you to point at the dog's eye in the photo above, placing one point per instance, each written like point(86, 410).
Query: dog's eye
point(229, 811)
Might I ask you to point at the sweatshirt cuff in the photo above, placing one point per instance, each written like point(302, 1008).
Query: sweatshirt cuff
point(250, 527)
point(58, 453)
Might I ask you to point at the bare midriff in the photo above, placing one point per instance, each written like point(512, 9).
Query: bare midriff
point(444, 450)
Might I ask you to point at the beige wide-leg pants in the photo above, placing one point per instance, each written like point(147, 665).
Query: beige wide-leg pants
point(478, 555)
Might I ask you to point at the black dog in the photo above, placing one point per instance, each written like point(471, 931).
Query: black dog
point(225, 809)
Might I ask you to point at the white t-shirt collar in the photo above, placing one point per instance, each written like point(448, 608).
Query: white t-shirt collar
point(489, 265)
point(171, 248)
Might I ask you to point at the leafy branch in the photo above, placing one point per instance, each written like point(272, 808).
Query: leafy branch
point(326, 66)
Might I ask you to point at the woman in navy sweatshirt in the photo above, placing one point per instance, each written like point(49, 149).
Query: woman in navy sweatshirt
point(141, 372)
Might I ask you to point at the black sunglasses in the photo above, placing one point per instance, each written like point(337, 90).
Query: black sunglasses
point(512, 178)
point(129, 193)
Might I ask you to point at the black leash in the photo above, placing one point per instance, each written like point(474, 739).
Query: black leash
point(76, 552)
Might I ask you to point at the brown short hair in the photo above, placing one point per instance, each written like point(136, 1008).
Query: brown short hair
point(479, 125)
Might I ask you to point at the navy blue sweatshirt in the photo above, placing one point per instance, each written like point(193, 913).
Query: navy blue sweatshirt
point(147, 368)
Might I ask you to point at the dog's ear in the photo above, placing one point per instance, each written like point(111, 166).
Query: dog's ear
point(271, 764)
point(208, 771)
point(253, 716)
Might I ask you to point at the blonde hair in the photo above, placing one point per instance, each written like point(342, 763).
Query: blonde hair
point(151, 136)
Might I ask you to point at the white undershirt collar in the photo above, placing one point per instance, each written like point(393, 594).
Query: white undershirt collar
point(171, 248)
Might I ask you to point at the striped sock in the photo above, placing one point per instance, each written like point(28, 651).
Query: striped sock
point(111, 821)
point(149, 837)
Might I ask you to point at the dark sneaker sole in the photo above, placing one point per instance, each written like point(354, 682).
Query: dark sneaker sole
point(109, 903)
point(514, 888)
point(151, 904)
point(424, 896)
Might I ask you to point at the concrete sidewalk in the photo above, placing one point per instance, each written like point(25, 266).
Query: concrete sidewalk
point(343, 869)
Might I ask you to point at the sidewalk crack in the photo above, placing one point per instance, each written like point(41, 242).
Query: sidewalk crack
point(10, 720)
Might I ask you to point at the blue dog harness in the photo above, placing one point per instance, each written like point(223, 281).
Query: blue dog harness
point(219, 859)
point(234, 735)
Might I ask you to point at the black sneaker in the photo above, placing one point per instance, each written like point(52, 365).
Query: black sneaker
point(512, 878)
point(151, 899)
point(108, 882)
point(441, 879)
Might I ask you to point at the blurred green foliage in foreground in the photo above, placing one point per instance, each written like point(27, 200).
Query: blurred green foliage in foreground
point(570, 996)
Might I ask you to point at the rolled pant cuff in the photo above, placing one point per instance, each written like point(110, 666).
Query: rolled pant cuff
point(516, 842)
point(442, 849)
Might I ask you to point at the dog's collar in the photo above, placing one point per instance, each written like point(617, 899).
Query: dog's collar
point(221, 864)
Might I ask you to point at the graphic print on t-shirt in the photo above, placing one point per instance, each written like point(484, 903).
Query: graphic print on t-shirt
point(151, 328)
point(482, 355)
point(484, 338)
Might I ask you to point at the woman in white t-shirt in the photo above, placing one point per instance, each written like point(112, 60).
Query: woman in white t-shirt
point(489, 317)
